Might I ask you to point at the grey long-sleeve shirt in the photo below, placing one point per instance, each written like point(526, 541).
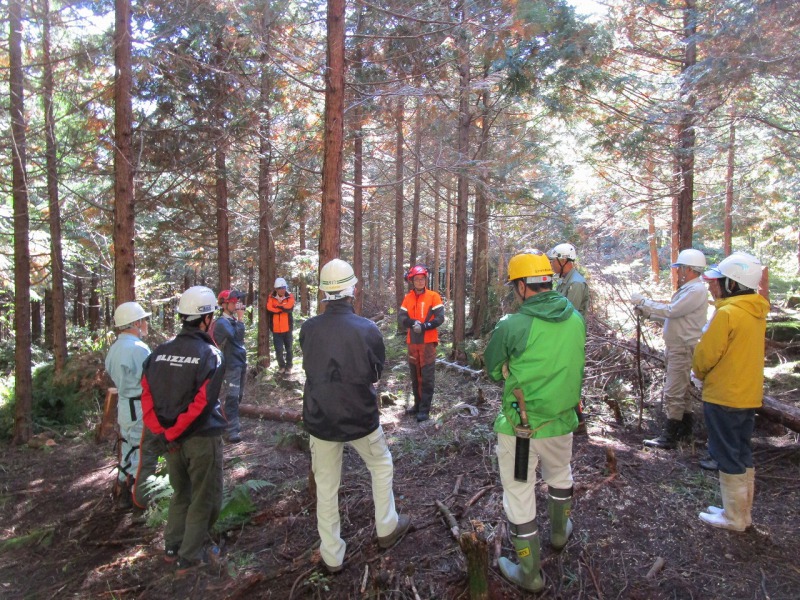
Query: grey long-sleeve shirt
point(685, 314)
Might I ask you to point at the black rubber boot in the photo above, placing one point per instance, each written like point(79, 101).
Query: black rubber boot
point(669, 439)
point(687, 427)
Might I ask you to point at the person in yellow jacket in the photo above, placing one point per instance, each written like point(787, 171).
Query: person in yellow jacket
point(421, 313)
point(729, 363)
point(280, 305)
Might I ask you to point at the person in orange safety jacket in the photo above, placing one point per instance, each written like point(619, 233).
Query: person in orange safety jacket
point(421, 313)
point(280, 305)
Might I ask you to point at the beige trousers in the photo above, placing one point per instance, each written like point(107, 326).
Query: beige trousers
point(677, 380)
point(519, 498)
point(326, 463)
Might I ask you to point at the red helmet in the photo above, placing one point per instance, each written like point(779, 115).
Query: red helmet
point(229, 296)
point(416, 270)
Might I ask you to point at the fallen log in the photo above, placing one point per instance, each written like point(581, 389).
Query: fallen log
point(784, 413)
point(286, 415)
point(464, 370)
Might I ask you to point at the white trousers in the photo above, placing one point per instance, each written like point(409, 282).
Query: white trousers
point(130, 430)
point(326, 463)
point(519, 498)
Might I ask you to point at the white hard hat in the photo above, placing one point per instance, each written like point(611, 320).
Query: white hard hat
point(745, 269)
point(196, 301)
point(564, 250)
point(690, 258)
point(337, 279)
point(127, 313)
point(279, 283)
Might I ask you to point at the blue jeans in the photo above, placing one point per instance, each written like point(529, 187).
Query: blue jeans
point(729, 436)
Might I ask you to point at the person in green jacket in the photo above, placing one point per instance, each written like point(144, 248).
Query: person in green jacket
point(539, 351)
point(729, 361)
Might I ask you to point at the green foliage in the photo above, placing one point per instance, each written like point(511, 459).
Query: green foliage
point(237, 505)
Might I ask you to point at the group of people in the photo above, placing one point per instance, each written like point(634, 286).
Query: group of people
point(538, 352)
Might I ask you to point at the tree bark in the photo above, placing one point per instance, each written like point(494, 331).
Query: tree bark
point(480, 296)
point(330, 224)
point(399, 252)
point(652, 240)
point(727, 243)
point(94, 305)
point(266, 243)
point(686, 131)
point(358, 173)
point(22, 259)
point(437, 202)
point(413, 257)
point(462, 199)
point(476, 550)
point(220, 168)
point(124, 259)
point(59, 315)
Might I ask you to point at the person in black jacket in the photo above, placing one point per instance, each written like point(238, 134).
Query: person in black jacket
point(180, 400)
point(343, 357)
point(228, 334)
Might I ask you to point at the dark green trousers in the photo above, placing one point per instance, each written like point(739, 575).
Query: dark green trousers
point(195, 473)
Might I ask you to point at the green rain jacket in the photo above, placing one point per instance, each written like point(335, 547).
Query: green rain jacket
point(544, 346)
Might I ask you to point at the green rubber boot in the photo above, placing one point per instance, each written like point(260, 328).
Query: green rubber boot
point(526, 574)
point(559, 507)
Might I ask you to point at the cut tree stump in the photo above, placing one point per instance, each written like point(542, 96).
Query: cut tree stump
point(475, 548)
point(286, 415)
point(108, 424)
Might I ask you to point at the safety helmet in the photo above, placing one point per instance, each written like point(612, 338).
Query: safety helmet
point(416, 270)
point(690, 258)
point(196, 301)
point(532, 266)
point(564, 250)
point(280, 282)
point(336, 275)
point(745, 269)
point(127, 313)
point(229, 296)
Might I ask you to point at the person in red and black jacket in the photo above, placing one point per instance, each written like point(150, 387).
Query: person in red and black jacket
point(422, 312)
point(280, 305)
point(181, 383)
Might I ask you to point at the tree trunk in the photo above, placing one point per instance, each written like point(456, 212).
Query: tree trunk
point(413, 257)
point(437, 202)
point(305, 299)
point(266, 243)
point(448, 275)
point(399, 286)
point(22, 258)
point(58, 339)
point(36, 321)
point(727, 243)
point(221, 197)
point(124, 260)
point(462, 199)
point(94, 305)
point(651, 223)
point(686, 131)
point(48, 319)
point(330, 222)
point(480, 296)
point(77, 312)
point(358, 176)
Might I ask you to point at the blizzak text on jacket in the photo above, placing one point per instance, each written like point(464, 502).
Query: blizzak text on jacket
point(228, 334)
point(180, 387)
point(427, 308)
point(280, 309)
point(729, 358)
point(343, 357)
point(544, 346)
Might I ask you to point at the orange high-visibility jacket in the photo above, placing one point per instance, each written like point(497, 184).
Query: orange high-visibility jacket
point(281, 312)
point(427, 308)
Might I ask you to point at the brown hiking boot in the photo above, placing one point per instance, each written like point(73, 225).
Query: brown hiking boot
point(403, 523)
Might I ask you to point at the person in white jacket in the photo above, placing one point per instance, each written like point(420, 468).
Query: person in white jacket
point(684, 317)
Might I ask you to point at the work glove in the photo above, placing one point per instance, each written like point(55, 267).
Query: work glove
point(417, 327)
point(171, 446)
point(638, 299)
point(696, 382)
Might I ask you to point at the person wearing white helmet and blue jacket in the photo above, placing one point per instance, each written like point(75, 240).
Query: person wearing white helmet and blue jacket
point(124, 365)
point(729, 361)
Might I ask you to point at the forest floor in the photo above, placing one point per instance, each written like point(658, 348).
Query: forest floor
point(61, 536)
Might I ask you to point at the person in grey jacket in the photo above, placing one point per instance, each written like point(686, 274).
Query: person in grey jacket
point(684, 317)
point(343, 358)
point(228, 334)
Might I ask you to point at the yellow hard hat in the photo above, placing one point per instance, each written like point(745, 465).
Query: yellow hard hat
point(532, 266)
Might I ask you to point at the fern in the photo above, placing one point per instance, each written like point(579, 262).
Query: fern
point(237, 505)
